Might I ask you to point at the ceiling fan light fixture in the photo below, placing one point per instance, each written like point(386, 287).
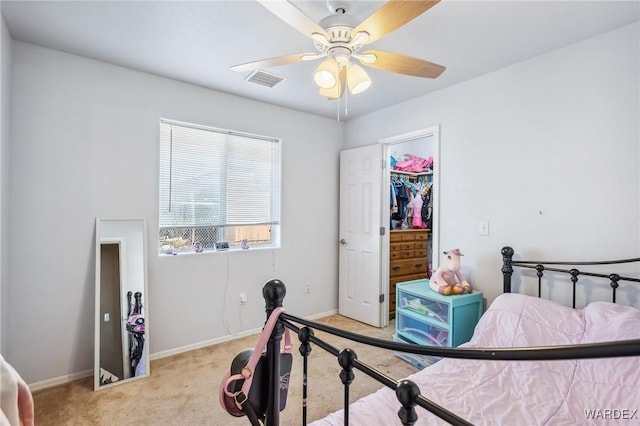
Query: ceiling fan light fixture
point(334, 92)
point(324, 79)
point(326, 75)
point(343, 61)
point(340, 36)
point(357, 79)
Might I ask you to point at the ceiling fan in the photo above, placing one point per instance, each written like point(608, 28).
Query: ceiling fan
point(340, 38)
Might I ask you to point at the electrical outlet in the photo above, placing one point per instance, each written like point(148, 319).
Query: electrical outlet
point(307, 288)
point(243, 298)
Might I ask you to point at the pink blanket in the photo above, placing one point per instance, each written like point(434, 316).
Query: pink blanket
point(414, 164)
point(598, 391)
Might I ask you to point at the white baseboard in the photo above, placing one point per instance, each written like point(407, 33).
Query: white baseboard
point(205, 343)
point(61, 380)
point(322, 315)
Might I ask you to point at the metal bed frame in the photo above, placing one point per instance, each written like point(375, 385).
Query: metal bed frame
point(407, 392)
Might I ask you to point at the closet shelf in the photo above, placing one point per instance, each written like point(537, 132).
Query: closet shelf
point(400, 172)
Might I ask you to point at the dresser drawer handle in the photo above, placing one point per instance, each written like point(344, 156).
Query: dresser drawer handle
point(396, 268)
point(418, 265)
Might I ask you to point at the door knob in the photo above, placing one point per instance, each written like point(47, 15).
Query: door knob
point(343, 242)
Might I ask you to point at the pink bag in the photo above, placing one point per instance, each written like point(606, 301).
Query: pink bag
point(244, 387)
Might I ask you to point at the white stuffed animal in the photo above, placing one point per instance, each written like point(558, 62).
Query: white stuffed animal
point(447, 279)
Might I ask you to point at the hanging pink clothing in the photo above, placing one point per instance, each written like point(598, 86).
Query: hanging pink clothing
point(416, 207)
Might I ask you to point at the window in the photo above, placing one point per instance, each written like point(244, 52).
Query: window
point(217, 185)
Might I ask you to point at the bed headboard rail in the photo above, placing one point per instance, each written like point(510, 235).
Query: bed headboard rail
point(541, 266)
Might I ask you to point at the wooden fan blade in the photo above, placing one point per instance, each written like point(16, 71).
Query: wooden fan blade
point(294, 17)
point(402, 64)
point(271, 62)
point(392, 16)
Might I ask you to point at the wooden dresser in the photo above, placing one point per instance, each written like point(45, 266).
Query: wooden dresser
point(407, 260)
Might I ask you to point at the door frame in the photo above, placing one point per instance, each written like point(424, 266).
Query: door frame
point(434, 132)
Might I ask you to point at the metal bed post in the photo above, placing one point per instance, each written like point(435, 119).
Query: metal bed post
point(273, 293)
point(540, 273)
point(345, 359)
point(574, 279)
point(305, 334)
point(407, 392)
point(507, 269)
point(614, 285)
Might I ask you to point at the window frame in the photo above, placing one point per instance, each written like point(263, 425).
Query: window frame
point(221, 231)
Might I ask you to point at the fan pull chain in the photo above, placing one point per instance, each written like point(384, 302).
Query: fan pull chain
point(346, 103)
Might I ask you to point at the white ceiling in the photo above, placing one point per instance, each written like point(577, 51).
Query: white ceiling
point(197, 41)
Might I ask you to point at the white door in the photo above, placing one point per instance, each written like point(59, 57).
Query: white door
point(360, 284)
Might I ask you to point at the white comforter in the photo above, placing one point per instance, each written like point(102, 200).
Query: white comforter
point(598, 391)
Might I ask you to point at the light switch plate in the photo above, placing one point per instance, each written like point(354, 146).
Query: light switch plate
point(483, 227)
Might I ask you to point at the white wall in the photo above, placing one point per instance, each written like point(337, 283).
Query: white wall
point(558, 133)
point(85, 144)
point(5, 134)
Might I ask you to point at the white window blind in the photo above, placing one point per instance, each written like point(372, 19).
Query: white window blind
point(213, 178)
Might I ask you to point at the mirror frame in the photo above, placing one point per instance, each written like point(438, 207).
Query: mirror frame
point(121, 241)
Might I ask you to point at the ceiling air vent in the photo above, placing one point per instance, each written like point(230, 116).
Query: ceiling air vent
point(264, 78)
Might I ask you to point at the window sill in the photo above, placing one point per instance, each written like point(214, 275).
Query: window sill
point(206, 252)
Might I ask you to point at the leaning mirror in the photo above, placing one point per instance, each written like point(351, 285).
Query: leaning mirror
point(121, 323)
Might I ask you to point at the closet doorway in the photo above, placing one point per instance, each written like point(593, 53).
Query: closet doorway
point(411, 191)
point(365, 291)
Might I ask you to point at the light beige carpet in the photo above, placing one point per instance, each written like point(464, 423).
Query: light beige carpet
point(183, 389)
